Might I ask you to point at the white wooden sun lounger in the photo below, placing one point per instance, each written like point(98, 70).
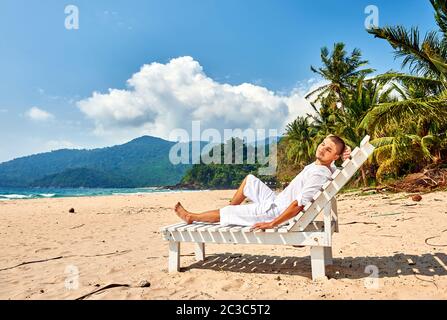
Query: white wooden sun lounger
point(301, 230)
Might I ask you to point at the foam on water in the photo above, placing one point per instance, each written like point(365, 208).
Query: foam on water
point(47, 195)
point(15, 196)
point(39, 193)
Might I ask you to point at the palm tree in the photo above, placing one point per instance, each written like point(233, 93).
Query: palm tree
point(341, 71)
point(408, 133)
point(357, 104)
point(299, 141)
point(412, 129)
point(323, 120)
point(427, 62)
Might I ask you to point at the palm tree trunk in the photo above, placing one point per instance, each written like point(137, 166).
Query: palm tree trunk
point(342, 107)
point(365, 181)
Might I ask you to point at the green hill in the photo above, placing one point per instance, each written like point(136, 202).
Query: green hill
point(222, 176)
point(142, 162)
point(82, 177)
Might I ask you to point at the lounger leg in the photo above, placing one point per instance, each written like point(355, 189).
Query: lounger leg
point(317, 262)
point(200, 251)
point(328, 256)
point(174, 256)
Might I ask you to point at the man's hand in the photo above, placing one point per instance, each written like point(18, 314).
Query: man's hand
point(346, 153)
point(262, 226)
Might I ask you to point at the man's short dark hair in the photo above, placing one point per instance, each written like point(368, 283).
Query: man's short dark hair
point(338, 142)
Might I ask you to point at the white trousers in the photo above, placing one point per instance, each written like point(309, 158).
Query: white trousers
point(261, 210)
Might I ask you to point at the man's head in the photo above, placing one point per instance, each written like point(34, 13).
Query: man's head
point(330, 149)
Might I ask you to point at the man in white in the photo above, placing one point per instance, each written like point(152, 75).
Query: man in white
point(268, 209)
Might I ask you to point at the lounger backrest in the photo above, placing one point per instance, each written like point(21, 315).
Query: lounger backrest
point(338, 179)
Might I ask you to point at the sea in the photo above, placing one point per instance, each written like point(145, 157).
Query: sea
point(36, 193)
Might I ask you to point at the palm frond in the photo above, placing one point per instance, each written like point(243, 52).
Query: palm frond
point(319, 90)
point(408, 79)
point(407, 45)
point(432, 109)
point(440, 14)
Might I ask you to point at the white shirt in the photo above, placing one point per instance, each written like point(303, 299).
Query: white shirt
point(304, 186)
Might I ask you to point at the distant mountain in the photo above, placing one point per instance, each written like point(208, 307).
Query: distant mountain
point(82, 177)
point(142, 162)
point(266, 141)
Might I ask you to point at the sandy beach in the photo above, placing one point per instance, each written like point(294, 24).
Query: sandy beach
point(116, 240)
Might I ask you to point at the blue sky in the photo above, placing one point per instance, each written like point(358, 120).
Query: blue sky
point(49, 73)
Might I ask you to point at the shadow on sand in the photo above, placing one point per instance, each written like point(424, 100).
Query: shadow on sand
point(342, 268)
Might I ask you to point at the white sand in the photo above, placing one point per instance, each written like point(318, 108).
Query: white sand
point(393, 240)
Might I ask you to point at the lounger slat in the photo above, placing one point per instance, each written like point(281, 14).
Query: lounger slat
point(197, 226)
point(206, 227)
point(224, 228)
point(331, 190)
point(345, 163)
point(175, 226)
point(215, 227)
point(186, 227)
point(364, 141)
point(283, 229)
point(165, 228)
point(349, 170)
point(235, 229)
point(316, 195)
point(335, 174)
point(354, 152)
point(368, 148)
point(272, 230)
point(273, 238)
point(307, 206)
point(246, 229)
point(326, 184)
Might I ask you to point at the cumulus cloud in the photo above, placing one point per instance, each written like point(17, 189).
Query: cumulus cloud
point(37, 114)
point(162, 97)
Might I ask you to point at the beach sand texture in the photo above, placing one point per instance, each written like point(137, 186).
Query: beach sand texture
point(116, 240)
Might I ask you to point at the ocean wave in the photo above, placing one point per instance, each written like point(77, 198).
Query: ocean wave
point(129, 193)
point(47, 195)
point(15, 196)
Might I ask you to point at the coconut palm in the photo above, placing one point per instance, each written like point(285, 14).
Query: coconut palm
point(299, 142)
point(357, 104)
point(340, 70)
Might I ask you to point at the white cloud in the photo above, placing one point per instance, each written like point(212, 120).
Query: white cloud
point(3, 110)
point(60, 144)
point(161, 97)
point(37, 114)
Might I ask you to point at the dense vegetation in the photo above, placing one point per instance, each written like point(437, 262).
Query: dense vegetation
point(225, 173)
point(404, 113)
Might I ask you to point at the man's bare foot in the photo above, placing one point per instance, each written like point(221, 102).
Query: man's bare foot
point(182, 213)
